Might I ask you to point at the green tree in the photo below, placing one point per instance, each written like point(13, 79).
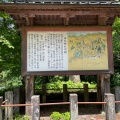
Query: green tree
point(116, 44)
point(115, 80)
point(10, 48)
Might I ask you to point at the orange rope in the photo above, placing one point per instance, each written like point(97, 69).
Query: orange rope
point(13, 105)
point(58, 103)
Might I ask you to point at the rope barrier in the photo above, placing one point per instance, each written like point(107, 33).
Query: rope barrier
point(91, 102)
point(58, 103)
point(15, 105)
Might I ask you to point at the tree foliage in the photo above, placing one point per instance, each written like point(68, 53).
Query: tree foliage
point(10, 48)
point(116, 44)
point(115, 80)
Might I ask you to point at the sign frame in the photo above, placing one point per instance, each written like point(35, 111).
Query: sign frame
point(68, 72)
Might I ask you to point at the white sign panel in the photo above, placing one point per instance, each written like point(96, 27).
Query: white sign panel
point(47, 51)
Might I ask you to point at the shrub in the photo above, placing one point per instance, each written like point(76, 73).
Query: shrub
point(56, 116)
point(20, 117)
point(115, 80)
point(60, 116)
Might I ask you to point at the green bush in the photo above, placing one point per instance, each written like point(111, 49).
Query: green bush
point(60, 116)
point(20, 117)
point(66, 116)
point(115, 80)
point(56, 116)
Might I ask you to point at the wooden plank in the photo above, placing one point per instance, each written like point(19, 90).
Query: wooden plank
point(65, 93)
point(29, 92)
point(86, 93)
point(44, 93)
point(98, 88)
point(9, 110)
point(16, 100)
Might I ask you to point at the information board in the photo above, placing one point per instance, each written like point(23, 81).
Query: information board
point(67, 50)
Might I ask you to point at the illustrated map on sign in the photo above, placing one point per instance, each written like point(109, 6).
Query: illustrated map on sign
point(87, 50)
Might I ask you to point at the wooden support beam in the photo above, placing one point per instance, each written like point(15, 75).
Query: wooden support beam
point(98, 88)
point(28, 19)
point(66, 21)
point(65, 93)
point(102, 19)
point(105, 85)
point(86, 93)
point(29, 93)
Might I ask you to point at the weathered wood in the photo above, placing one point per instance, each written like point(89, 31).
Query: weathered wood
point(117, 98)
point(107, 83)
point(1, 100)
point(8, 110)
point(86, 93)
point(73, 98)
point(35, 109)
point(105, 86)
point(65, 94)
point(44, 93)
point(16, 100)
point(110, 106)
point(98, 89)
point(22, 96)
point(29, 93)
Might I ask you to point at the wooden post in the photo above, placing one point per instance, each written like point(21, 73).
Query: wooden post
point(105, 86)
point(35, 109)
point(73, 98)
point(110, 106)
point(65, 92)
point(86, 93)
point(29, 93)
point(117, 98)
point(44, 93)
point(98, 88)
point(9, 110)
point(16, 100)
point(107, 83)
point(1, 100)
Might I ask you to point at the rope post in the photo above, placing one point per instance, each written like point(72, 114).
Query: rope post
point(65, 92)
point(110, 106)
point(16, 100)
point(1, 100)
point(8, 110)
point(86, 93)
point(35, 108)
point(73, 98)
point(117, 98)
point(44, 93)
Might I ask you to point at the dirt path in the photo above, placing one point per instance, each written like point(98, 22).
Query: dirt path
point(85, 113)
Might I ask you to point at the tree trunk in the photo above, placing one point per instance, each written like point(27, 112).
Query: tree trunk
point(75, 78)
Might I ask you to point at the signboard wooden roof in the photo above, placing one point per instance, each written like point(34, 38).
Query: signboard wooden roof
point(38, 14)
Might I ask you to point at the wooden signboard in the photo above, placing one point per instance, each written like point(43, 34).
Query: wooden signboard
point(66, 50)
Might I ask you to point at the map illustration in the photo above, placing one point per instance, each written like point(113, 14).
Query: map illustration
point(87, 50)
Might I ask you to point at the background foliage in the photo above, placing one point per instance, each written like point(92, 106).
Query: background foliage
point(10, 57)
